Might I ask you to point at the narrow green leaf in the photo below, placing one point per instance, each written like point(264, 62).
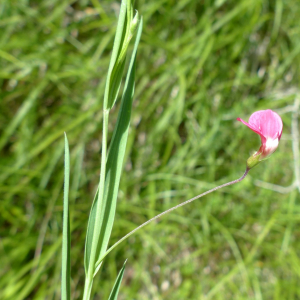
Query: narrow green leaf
point(115, 290)
point(114, 166)
point(119, 38)
point(118, 42)
point(117, 72)
point(66, 240)
point(116, 154)
point(116, 83)
point(90, 232)
point(119, 35)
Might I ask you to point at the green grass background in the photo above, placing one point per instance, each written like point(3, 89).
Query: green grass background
point(200, 65)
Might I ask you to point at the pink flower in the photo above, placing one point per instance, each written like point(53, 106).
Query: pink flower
point(268, 125)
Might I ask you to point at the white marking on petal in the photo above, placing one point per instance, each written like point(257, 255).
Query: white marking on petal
point(270, 146)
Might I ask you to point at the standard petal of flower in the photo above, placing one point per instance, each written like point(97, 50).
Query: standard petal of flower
point(267, 122)
point(254, 128)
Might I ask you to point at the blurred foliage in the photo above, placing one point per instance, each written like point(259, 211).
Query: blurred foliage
point(200, 65)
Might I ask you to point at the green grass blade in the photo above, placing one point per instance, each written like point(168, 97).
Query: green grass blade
point(66, 241)
point(90, 232)
point(93, 228)
point(115, 290)
point(119, 35)
point(116, 153)
point(119, 39)
point(114, 165)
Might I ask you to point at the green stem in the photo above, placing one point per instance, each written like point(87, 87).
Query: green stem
point(87, 288)
point(168, 211)
point(97, 229)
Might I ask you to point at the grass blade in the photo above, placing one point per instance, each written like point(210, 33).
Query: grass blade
point(93, 228)
point(66, 241)
point(90, 231)
point(119, 39)
point(104, 206)
point(115, 291)
point(116, 154)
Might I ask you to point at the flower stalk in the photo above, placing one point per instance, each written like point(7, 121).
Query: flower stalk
point(170, 210)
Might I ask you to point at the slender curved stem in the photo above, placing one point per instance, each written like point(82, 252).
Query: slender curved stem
point(169, 210)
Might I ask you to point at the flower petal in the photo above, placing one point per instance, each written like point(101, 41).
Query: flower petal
point(255, 129)
point(267, 122)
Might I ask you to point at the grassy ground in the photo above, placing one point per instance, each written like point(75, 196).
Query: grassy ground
point(200, 65)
